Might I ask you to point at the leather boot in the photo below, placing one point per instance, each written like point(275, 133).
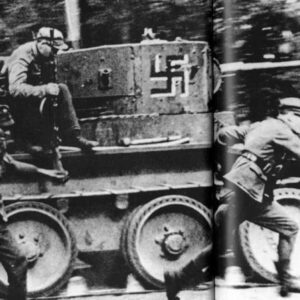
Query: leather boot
point(286, 282)
point(84, 144)
point(176, 280)
point(77, 140)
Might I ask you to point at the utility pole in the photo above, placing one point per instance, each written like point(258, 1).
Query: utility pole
point(72, 12)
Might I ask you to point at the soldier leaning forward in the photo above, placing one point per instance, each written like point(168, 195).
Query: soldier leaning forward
point(32, 89)
point(13, 262)
point(267, 145)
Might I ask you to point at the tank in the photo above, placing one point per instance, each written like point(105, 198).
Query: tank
point(141, 202)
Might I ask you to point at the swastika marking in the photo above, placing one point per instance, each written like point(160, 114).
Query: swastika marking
point(176, 73)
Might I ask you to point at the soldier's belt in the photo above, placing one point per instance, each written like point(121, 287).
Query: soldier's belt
point(266, 167)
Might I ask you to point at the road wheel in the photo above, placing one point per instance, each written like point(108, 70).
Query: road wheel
point(259, 245)
point(124, 233)
point(43, 236)
point(164, 234)
point(217, 76)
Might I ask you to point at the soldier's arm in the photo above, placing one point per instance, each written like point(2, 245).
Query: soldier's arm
point(289, 141)
point(18, 166)
point(17, 78)
point(230, 135)
point(25, 168)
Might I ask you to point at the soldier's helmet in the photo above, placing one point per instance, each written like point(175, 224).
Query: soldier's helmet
point(6, 119)
point(290, 103)
point(56, 39)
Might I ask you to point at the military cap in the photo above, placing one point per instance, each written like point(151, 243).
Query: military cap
point(5, 116)
point(290, 102)
point(57, 39)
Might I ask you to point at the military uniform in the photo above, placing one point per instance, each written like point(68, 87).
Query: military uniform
point(270, 142)
point(267, 144)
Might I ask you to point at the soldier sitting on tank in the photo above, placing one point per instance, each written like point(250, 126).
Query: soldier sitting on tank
point(267, 145)
point(31, 92)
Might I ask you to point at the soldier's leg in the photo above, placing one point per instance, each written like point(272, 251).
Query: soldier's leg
point(14, 264)
point(274, 217)
point(27, 119)
point(176, 280)
point(67, 115)
point(228, 217)
point(68, 121)
point(225, 229)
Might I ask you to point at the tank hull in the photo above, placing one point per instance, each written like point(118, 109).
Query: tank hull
point(148, 107)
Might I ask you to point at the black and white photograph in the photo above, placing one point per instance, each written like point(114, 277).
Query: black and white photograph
point(150, 150)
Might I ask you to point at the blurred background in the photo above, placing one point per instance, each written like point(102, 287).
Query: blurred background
point(257, 31)
point(106, 21)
